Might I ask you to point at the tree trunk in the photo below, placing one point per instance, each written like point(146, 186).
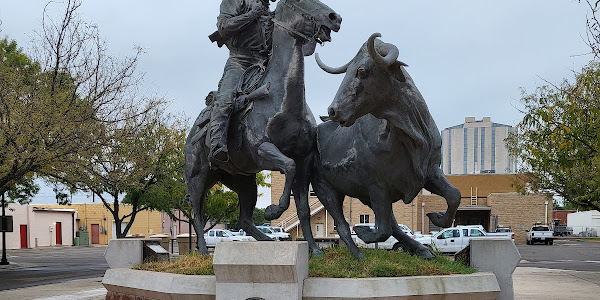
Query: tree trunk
point(118, 221)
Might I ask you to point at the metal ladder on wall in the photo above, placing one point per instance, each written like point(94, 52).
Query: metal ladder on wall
point(473, 197)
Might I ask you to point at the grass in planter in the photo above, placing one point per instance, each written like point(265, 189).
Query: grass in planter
point(190, 264)
point(337, 263)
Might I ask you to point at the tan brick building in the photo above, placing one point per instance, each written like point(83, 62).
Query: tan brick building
point(486, 199)
point(99, 222)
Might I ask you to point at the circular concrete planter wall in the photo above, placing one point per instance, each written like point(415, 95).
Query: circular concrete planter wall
point(154, 285)
point(243, 271)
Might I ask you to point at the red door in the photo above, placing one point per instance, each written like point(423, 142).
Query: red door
point(95, 234)
point(58, 233)
point(24, 236)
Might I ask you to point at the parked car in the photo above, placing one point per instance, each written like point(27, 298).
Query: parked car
point(278, 236)
point(503, 229)
point(562, 230)
point(214, 236)
point(540, 233)
point(454, 239)
point(277, 229)
point(390, 244)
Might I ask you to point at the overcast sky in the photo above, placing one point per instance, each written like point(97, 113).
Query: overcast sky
point(468, 58)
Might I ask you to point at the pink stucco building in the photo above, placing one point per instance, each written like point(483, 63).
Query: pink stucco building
point(40, 226)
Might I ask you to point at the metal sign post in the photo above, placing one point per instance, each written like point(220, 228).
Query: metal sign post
point(3, 261)
point(190, 235)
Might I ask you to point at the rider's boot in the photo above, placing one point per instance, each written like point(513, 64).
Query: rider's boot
point(219, 123)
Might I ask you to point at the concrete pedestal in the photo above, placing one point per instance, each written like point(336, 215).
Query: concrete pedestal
point(124, 253)
point(499, 256)
point(266, 270)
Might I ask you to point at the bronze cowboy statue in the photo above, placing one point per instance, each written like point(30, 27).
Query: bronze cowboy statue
point(258, 119)
point(245, 27)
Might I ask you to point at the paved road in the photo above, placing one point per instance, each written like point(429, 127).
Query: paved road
point(564, 254)
point(32, 267)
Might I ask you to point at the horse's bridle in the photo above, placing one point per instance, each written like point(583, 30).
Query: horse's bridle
point(301, 12)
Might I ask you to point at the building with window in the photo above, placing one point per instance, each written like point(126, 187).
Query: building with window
point(99, 222)
point(476, 147)
point(489, 200)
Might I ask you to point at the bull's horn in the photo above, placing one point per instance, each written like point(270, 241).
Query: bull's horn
point(329, 69)
point(391, 54)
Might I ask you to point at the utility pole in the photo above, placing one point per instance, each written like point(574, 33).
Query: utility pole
point(3, 261)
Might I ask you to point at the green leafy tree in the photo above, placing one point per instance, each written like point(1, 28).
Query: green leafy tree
point(23, 191)
point(259, 216)
point(127, 171)
point(161, 186)
point(559, 138)
point(221, 205)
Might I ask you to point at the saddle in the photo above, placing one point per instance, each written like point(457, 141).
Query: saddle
point(248, 90)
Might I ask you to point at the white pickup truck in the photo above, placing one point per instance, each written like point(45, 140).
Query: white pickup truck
point(540, 233)
point(454, 239)
point(214, 236)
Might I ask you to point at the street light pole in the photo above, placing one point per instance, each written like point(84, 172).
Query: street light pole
point(3, 261)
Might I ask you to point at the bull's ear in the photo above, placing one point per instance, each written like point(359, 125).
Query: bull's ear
point(397, 70)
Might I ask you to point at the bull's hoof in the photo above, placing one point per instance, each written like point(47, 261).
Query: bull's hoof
point(365, 233)
point(440, 219)
point(317, 253)
point(272, 213)
point(415, 249)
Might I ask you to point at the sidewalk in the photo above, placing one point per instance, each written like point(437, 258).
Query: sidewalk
point(84, 289)
point(541, 283)
point(529, 284)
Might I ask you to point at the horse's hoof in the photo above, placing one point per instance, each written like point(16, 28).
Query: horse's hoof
point(358, 255)
point(361, 231)
point(271, 213)
point(439, 219)
point(425, 253)
point(317, 253)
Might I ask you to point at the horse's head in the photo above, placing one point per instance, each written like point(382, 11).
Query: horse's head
point(373, 78)
point(308, 20)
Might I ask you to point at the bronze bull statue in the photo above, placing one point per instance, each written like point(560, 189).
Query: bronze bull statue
point(380, 144)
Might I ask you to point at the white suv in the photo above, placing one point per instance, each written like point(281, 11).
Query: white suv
point(273, 233)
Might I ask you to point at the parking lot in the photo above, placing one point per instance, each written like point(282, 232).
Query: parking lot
point(565, 254)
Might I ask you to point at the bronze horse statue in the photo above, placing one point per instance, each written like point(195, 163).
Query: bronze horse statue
point(277, 133)
point(380, 145)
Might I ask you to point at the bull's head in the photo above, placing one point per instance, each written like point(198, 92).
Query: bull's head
point(372, 79)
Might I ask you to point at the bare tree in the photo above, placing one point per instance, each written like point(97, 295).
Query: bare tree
point(593, 27)
point(71, 99)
